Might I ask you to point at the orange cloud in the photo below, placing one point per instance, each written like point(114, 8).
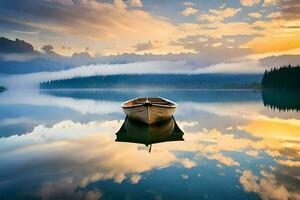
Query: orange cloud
point(250, 2)
point(267, 187)
point(255, 14)
point(274, 129)
point(277, 35)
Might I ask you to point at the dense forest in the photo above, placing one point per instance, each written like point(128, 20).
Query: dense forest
point(199, 81)
point(285, 77)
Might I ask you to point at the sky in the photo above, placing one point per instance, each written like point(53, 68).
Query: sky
point(229, 31)
point(158, 27)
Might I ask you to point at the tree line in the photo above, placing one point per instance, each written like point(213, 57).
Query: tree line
point(183, 81)
point(284, 77)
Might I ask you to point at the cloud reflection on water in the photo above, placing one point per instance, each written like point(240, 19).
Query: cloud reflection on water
point(261, 150)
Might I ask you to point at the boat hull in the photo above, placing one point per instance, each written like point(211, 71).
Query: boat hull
point(149, 113)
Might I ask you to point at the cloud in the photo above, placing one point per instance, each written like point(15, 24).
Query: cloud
point(93, 195)
point(225, 160)
point(274, 15)
point(274, 129)
point(250, 2)
point(274, 36)
point(275, 61)
point(187, 3)
point(48, 49)
point(255, 14)
point(66, 189)
point(76, 136)
point(224, 49)
point(190, 11)
point(252, 153)
point(136, 3)
point(187, 163)
point(270, 2)
point(92, 20)
point(95, 165)
point(15, 121)
point(290, 163)
point(135, 178)
point(234, 67)
point(147, 46)
point(218, 15)
point(152, 67)
point(112, 28)
point(290, 9)
point(267, 187)
point(216, 44)
point(119, 4)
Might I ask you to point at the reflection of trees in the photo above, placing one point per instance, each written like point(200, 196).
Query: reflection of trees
point(2, 89)
point(283, 100)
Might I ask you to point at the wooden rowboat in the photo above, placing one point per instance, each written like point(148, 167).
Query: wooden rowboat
point(149, 110)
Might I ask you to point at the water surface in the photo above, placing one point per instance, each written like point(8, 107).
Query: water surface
point(60, 144)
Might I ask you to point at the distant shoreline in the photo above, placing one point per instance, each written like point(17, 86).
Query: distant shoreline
point(158, 81)
point(155, 89)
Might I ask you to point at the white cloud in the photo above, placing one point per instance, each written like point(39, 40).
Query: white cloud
point(187, 163)
point(153, 67)
point(218, 15)
point(238, 67)
point(156, 67)
point(189, 11)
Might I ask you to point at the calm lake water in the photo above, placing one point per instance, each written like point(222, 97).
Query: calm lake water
point(61, 145)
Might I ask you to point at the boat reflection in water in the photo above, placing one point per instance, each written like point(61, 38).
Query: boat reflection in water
point(138, 132)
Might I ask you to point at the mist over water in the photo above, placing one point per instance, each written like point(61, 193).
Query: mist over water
point(32, 80)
